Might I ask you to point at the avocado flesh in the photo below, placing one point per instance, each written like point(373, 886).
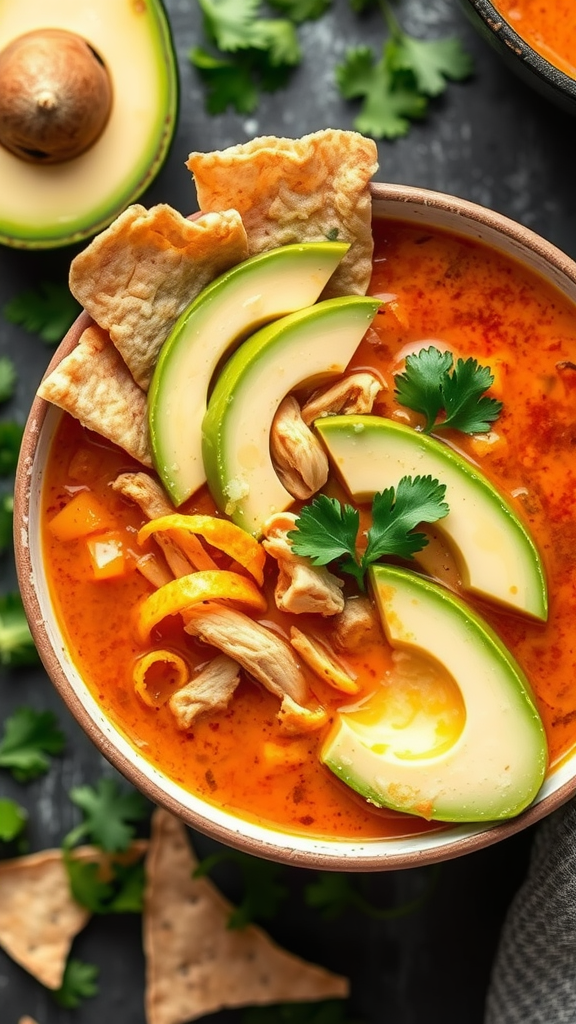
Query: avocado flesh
point(308, 347)
point(263, 288)
point(49, 206)
point(497, 557)
point(495, 765)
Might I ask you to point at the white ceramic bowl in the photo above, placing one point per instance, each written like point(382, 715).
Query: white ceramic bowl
point(416, 206)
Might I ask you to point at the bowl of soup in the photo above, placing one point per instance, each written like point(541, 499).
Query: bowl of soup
point(305, 712)
point(537, 41)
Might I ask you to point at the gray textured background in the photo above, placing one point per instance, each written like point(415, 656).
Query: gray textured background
point(492, 141)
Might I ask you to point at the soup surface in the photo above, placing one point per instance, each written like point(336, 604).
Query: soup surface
point(548, 26)
point(441, 290)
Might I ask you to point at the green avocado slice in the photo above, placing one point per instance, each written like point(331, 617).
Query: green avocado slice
point(263, 288)
point(498, 558)
point(49, 206)
point(307, 347)
point(494, 764)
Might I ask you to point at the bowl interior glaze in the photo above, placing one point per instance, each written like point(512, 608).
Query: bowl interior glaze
point(413, 205)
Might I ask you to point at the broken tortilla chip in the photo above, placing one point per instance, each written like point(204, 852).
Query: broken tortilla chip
point(138, 275)
point(298, 190)
point(195, 963)
point(26, 1020)
point(95, 386)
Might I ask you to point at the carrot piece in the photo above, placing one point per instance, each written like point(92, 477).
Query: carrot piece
point(227, 537)
point(157, 675)
point(180, 594)
point(107, 556)
point(84, 514)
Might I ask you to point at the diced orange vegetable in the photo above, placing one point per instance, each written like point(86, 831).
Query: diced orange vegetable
point(157, 675)
point(107, 556)
point(221, 534)
point(83, 515)
point(180, 594)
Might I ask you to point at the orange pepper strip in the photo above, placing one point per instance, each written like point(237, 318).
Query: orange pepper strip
point(157, 675)
point(228, 537)
point(209, 585)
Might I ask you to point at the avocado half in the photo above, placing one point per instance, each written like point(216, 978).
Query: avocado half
point(45, 206)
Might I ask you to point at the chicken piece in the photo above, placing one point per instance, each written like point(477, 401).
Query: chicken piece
point(354, 394)
point(356, 625)
point(257, 649)
point(299, 459)
point(322, 662)
point(155, 571)
point(210, 690)
point(296, 720)
point(301, 588)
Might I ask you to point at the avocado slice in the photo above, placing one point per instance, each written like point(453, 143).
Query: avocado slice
point(498, 558)
point(263, 288)
point(54, 205)
point(307, 347)
point(495, 761)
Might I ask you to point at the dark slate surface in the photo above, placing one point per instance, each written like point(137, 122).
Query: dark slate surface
point(491, 141)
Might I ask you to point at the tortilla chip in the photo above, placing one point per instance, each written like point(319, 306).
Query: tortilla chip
point(26, 1020)
point(38, 917)
point(195, 964)
point(95, 386)
point(138, 275)
point(298, 190)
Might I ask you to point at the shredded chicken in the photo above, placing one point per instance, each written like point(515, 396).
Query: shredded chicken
point(142, 489)
point(258, 650)
point(356, 625)
point(354, 394)
point(322, 662)
point(299, 458)
point(295, 719)
point(154, 570)
point(301, 587)
point(210, 690)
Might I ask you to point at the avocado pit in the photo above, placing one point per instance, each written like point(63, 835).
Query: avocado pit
point(55, 96)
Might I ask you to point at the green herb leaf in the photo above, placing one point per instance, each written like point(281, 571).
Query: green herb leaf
point(301, 10)
point(325, 1012)
point(430, 383)
point(431, 62)
point(123, 893)
point(30, 739)
point(13, 820)
point(327, 530)
point(390, 102)
point(7, 378)
point(107, 812)
point(10, 441)
point(230, 23)
point(16, 644)
point(263, 890)
point(395, 514)
point(79, 983)
point(228, 83)
point(6, 522)
point(334, 893)
point(47, 311)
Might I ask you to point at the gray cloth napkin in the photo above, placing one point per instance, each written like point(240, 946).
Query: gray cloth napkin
point(534, 975)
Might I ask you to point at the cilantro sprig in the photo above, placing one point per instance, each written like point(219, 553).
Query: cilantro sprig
point(327, 531)
point(121, 893)
point(431, 384)
point(48, 311)
point(30, 739)
point(79, 983)
point(13, 820)
point(395, 88)
point(109, 815)
point(16, 642)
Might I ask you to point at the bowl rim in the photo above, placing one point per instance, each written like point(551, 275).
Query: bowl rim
point(340, 858)
point(501, 30)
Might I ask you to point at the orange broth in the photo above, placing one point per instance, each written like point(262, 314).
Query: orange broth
point(445, 290)
point(548, 26)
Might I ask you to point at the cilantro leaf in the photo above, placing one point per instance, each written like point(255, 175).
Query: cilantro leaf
point(301, 10)
point(466, 410)
point(48, 311)
point(327, 530)
point(10, 441)
point(79, 983)
point(278, 38)
point(123, 893)
point(16, 643)
point(430, 61)
point(228, 83)
point(7, 378)
point(107, 814)
point(394, 516)
point(30, 738)
point(263, 890)
point(331, 1011)
point(389, 103)
point(333, 893)
point(6, 521)
point(430, 382)
point(230, 23)
point(13, 820)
